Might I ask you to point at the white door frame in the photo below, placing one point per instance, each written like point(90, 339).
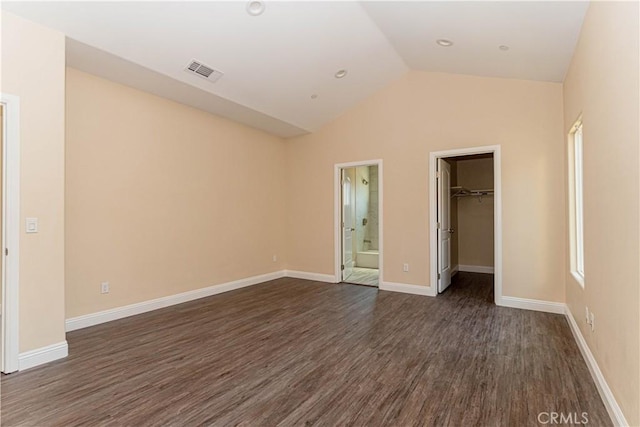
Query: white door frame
point(497, 213)
point(11, 230)
point(337, 224)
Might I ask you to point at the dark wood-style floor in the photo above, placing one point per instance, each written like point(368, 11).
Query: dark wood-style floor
point(292, 352)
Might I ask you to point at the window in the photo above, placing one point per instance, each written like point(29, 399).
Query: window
point(576, 202)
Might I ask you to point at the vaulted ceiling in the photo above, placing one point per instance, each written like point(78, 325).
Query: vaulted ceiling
point(279, 67)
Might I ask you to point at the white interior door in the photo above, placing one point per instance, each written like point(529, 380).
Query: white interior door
point(444, 225)
point(348, 228)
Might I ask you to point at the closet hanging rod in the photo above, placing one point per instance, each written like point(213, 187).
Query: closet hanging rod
point(463, 192)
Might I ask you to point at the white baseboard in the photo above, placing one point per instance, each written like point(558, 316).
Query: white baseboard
point(532, 304)
point(39, 356)
point(317, 277)
point(145, 306)
point(407, 288)
point(603, 388)
point(475, 269)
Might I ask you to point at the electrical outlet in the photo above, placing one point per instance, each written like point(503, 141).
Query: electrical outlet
point(104, 287)
point(405, 267)
point(275, 258)
point(593, 322)
point(586, 314)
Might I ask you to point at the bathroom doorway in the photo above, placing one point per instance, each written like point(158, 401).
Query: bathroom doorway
point(358, 241)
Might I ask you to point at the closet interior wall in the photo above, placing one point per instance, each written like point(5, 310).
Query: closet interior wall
point(472, 216)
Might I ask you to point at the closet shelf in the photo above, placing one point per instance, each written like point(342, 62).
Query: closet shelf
point(464, 192)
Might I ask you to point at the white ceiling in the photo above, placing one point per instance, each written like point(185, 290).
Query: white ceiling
point(541, 36)
point(274, 62)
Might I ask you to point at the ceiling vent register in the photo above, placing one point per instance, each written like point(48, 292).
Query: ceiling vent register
point(203, 71)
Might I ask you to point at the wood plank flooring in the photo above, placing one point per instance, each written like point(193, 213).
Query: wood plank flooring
point(363, 276)
point(292, 352)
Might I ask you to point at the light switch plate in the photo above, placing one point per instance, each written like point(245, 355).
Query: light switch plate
point(32, 225)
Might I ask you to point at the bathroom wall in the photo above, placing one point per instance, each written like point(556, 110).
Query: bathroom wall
point(362, 206)
point(372, 226)
point(351, 174)
point(366, 181)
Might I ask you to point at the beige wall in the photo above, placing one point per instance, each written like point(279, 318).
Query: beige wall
point(602, 85)
point(475, 231)
point(33, 68)
point(163, 198)
point(401, 124)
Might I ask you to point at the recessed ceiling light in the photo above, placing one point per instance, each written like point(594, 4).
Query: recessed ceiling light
point(314, 96)
point(503, 47)
point(444, 42)
point(255, 7)
point(340, 74)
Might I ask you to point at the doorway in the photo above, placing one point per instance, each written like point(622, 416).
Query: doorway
point(359, 223)
point(9, 231)
point(466, 221)
point(2, 126)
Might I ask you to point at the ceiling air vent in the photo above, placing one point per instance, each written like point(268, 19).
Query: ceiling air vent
point(201, 70)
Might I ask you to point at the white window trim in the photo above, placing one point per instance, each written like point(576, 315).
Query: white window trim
point(576, 202)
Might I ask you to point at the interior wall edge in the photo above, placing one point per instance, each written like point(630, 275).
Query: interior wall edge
point(532, 304)
point(40, 356)
point(317, 277)
point(610, 402)
point(407, 288)
point(33, 68)
point(104, 316)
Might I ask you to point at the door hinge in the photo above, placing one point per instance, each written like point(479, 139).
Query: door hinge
point(438, 226)
point(438, 175)
point(342, 267)
point(438, 276)
point(6, 252)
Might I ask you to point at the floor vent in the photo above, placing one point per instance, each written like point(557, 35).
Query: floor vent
point(199, 69)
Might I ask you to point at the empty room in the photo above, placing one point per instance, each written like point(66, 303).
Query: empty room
point(293, 213)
